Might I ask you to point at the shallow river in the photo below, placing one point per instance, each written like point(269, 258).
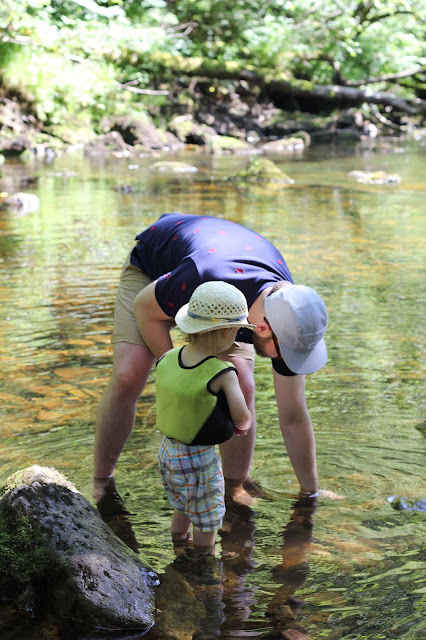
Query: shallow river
point(360, 571)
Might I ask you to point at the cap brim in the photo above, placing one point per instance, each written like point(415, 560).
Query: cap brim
point(197, 325)
point(305, 363)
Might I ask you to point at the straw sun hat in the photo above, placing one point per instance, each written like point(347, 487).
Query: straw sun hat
point(213, 305)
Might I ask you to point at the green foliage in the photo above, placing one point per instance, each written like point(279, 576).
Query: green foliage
point(72, 55)
point(61, 88)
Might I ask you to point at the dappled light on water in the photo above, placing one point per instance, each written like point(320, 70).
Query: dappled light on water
point(347, 568)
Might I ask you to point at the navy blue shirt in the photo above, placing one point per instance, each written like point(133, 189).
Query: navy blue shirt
point(181, 251)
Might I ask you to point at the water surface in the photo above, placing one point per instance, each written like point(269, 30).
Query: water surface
point(359, 572)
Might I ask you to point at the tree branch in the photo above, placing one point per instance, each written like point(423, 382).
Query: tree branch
point(146, 92)
point(386, 78)
point(383, 16)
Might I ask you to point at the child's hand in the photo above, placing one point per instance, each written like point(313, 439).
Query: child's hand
point(241, 431)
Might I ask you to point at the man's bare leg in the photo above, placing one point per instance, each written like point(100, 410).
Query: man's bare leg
point(237, 453)
point(117, 409)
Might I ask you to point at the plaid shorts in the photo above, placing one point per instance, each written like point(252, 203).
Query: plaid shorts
point(193, 481)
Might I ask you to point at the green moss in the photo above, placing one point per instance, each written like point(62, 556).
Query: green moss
point(29, 475)
point(23, 555)
point(261, 170)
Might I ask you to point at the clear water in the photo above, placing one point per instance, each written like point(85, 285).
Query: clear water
point(360, 571)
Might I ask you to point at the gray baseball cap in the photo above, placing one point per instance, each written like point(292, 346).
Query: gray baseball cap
point(298, 317)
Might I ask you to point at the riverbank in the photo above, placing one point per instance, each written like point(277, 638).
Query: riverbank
point(228, 120)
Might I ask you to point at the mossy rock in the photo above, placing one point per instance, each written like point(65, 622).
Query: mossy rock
point(57, 555)
point(290, 144)
point(263, 171)
point(227, 144)
point(375, 177)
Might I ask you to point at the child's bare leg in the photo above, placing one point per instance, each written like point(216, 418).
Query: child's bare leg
point(180, 526)
point(204, 541)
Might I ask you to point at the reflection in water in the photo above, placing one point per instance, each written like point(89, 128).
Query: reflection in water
point(238, 542)
point(292, 573)
point(220, 599)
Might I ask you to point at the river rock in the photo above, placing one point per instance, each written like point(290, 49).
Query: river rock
point(15, 145)
point(110, 143)
point(291, 144)
point(173, 167)
point(375, 177)
point(142, 131)
point(401, 503)
point(230, 145)
point(263, 171)
point(56, 553)
point(191, 132)
point(23, 202)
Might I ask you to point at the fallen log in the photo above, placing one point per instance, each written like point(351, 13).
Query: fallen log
point(281, 86)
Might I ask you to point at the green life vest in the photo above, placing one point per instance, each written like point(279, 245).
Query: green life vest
point(184, 399)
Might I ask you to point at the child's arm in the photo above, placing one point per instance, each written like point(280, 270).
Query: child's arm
point(240, 414)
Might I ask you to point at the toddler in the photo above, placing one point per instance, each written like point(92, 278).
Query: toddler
point(200, 404)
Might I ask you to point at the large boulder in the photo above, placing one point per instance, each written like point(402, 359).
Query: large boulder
point(56, 553)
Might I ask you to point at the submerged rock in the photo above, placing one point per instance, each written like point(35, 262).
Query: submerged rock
point(57, 553)
point(375, 177)
point(399, 503)
point(189, 602)
point(173, 167)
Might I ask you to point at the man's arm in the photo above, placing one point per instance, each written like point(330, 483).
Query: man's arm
point(153, 323)
point(296, 428)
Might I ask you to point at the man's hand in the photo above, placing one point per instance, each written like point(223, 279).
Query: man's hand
point(325, 493)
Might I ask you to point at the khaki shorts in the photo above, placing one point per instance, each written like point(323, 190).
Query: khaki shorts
point(132, 281)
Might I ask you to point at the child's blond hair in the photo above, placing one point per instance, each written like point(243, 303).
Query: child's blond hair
point(210, 338)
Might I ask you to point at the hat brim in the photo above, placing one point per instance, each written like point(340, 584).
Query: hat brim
point(197, 325)
point(305, 362)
